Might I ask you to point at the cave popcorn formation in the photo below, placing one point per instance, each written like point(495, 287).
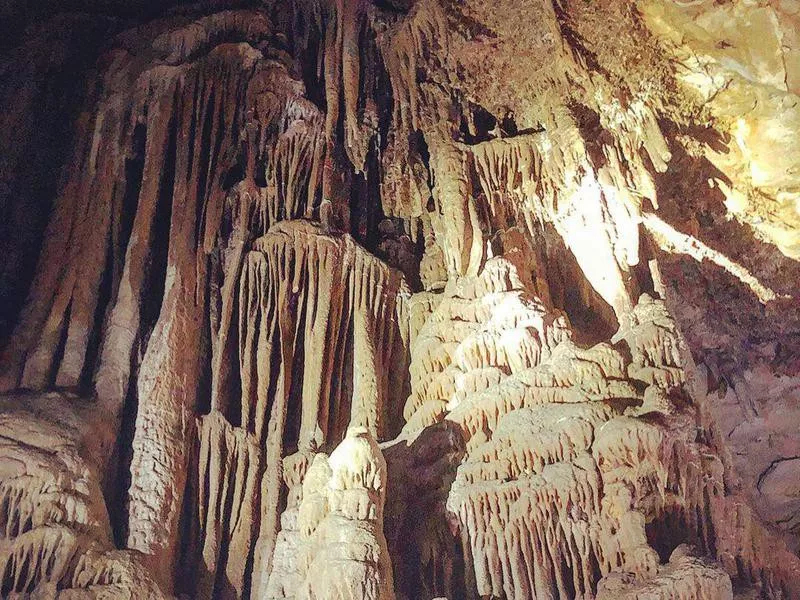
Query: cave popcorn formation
point(348, 299)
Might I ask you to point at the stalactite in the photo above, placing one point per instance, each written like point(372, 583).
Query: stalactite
point(188, 110)
point(311, 300)
point(295, 264)
point(556, 482)
point(229, 471)
point(166, 403)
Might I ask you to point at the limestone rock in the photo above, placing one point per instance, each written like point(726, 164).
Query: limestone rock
point(56, 538)
point(387, 299)
point(342, 520)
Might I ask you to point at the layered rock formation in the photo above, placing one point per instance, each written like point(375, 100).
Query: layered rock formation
point(401, 299)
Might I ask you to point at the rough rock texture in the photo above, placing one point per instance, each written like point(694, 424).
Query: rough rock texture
point(55, 526)
point(400, 299)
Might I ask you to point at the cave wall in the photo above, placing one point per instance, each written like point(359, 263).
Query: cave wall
point(332, 299)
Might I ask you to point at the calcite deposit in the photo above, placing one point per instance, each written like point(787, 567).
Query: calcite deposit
point(400, 299)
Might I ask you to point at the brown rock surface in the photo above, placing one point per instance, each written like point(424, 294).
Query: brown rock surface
point(388, 299)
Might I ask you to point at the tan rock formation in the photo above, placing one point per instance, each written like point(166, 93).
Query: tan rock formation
point(401, 299)
point(343, 548)
point(56, 539)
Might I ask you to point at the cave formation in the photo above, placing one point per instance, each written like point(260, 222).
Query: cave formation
point(400, 299)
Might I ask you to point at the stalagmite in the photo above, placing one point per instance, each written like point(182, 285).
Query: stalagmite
point(683, 577)
point(292, 301)
point(344, 552)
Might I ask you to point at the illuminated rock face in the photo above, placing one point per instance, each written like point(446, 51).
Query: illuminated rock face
point(414, 300)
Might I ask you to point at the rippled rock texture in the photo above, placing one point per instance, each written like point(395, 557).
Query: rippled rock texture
point(344, 299)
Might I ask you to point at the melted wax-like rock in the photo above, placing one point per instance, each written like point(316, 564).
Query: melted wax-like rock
point(222, 386)
point(316, 302)
point(55, 534)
